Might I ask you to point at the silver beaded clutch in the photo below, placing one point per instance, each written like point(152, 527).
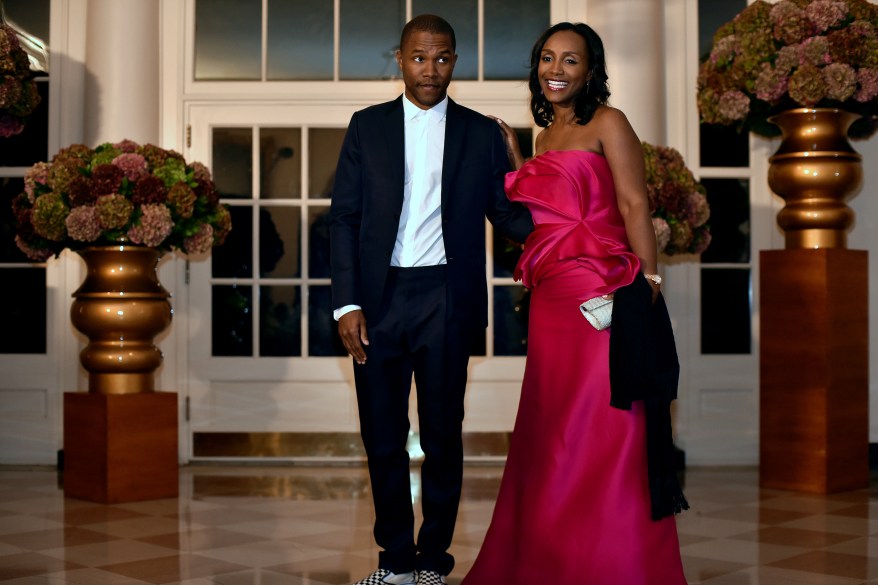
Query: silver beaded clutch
point(598, 311)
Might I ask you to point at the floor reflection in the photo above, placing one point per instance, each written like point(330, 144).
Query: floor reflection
point(257, 525)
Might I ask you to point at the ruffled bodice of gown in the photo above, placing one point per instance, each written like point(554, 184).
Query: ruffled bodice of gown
point(571, 196)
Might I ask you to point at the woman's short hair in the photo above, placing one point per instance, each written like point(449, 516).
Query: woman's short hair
point(597, 91)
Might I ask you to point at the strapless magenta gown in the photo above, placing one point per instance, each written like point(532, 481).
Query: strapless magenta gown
point(574, 507)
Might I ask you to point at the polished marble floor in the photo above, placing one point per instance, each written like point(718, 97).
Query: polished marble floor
point(294, 525)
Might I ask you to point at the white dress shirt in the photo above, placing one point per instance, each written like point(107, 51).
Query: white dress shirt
point(419, 236)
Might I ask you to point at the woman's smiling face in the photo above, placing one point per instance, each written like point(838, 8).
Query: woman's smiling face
point(563, 70)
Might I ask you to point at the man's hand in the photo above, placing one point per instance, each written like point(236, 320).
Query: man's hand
point(352, 330)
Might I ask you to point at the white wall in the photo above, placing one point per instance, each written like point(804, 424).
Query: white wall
point(865, 237)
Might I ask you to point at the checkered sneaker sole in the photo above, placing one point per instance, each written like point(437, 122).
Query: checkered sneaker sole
point(380, 577)
point(430, 578)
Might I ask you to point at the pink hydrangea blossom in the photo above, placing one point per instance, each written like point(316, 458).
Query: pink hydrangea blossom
point(825, 14)
point(133, 165)
point(126, 145)
point(35, 254)
point(734, 105)
point(100, 194)
point(10, 125)
point(662, 233)
point(723, 50)
point(200, 243)
point(83, 225)
point(697, 210)
point(153, 227)
point(200, 172)
point(789, 22)
point(841, 81)
point(807, 85)
point(868, 82)
point(814, 51)
point(36, 176)
point(787, 59)
point(788, 54)
point(771, 84)
point(702, 241)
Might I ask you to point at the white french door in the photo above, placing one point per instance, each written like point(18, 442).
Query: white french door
point(264, 363)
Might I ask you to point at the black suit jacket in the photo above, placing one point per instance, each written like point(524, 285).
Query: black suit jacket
point(367, 201)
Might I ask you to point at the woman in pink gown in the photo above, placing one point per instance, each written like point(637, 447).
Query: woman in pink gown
point(574, 504)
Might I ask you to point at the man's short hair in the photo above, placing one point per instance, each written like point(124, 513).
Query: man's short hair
point(429, 23)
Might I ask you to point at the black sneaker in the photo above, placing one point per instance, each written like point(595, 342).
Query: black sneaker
point(385, 577)
point(430, 578)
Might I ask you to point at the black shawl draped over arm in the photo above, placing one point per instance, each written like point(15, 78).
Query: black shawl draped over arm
point(644, 366)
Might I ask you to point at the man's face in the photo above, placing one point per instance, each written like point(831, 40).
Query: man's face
point(427, 62)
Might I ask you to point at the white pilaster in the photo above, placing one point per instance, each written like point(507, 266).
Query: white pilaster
point(122, 71)
point(634, 46)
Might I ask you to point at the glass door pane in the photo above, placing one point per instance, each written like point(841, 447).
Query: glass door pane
point(369, 38)
point(511, 28)
point(463, 16)
point(300, 40)
point(228, 40)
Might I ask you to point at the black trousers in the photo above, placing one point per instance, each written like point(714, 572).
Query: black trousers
point(411, 335)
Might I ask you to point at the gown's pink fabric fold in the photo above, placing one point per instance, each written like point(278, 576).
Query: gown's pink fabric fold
point(574, 502)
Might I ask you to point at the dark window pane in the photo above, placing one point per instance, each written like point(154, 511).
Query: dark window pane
point(723, 146)
point(369, 38)
point(525, 141)
point(23, 298)
point(281, 172)
point(725, 311)
point(712, 14)
point(32, 144)
point(511, 308)
point(324, 145)
point(9, 190)
point(234, 259)
point(233, 162)
point(228, 39)
point(280, 255)
point(463, 15)
point(323, 339)
point(300, 43)
point(232, 321)
point(30, 16)
point(280, 318)
point(318, 234)
point(511, 28)
point(729, 201)
point(507, 252)
point(506, 255)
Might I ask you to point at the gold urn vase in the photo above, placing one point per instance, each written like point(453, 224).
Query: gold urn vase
point(815, 170)
point(121, 307)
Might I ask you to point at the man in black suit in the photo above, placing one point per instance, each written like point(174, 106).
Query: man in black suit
point(415, 179)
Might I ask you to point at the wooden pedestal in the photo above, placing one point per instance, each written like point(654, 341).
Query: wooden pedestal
point(120, 448)
point(814, 370)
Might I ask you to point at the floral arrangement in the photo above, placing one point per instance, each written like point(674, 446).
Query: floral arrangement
point(18, 90)
point(121, 192)
point(795, 53)
point(677, 202)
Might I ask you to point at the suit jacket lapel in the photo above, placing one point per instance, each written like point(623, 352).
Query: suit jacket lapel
point(394, 131)
point(455, 138)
